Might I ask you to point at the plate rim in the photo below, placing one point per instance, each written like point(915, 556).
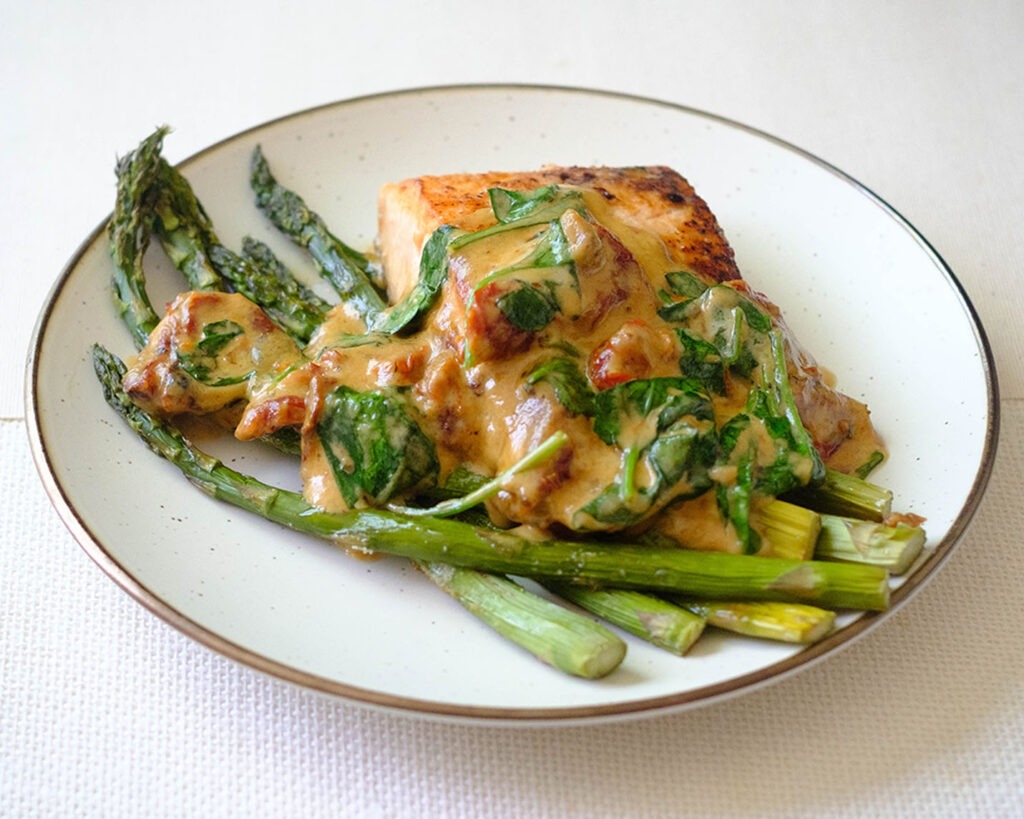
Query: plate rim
point(413, 706)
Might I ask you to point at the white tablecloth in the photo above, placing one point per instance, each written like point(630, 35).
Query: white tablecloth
point(107, 711)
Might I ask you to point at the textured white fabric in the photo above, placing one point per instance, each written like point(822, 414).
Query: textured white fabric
point(107, 711)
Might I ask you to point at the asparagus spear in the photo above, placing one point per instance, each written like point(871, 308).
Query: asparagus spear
point(304, 298)
point(861, 541)
point(562, 638)
point(348, 271)
point(130, 231)
point(787, 622)
point(651, 618)
point(697, 574)
point(185, 231)
point(842, 494)
point(283, 302)
point(791, 530)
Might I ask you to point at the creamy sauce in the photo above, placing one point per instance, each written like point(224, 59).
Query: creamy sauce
point(211, 351)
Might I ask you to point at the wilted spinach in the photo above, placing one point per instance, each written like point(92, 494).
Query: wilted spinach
point(665, 430)
point(568, 382)
point(407, 314)
point(374, 446)
point(202, 362)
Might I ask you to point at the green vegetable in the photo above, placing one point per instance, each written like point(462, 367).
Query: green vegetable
point(869, 465)
point(260, 276)
point(862, 541)
point(349, 272)
point(185, 230)
point(650, 618)
point(700, 360)
point(130, 231)
point(202, 364)
point(562, 638)
point(374, 447)
point(734, 501)
point(791, 531)
point(513, 206)
point(665, 429)
point(845, 495)
point(780, 402)
point(772, 620)
point(143, 176)
point(520, 209)
point(528, 307)
point(488, 488)
point(191, 243)
point(568, 382)
point(534, 295)
point(684, 284)
point(409, 312)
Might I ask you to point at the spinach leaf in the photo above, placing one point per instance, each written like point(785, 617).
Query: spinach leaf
point(665, 400)
point(201, 364)
point(217, 335)
point(758, 320)
point(409, 312)
point(374, 447)
point(528, 307)
point(683, 287)
point(700, 359)
point(534, 297)
point(510, 206)
point(665, 429)
point(767, 445)
point(734, 502)
point(684, 284)
point(550, 251)
point(568, 382)
point(779, 402)
point(723, 318)
point(520, 209)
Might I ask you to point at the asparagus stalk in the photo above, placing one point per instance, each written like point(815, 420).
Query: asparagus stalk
point(848, 495)
point(130, 231)
point(697, 574)
point(860, 541)
point(185, 231)
point(790, 530)
point(282, 301)
point(651, 618)
point(348, 271)
point(265, 259)
point(562, 638)
point(786, 622)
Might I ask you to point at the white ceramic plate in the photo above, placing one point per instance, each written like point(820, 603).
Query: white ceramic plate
point(859, 286)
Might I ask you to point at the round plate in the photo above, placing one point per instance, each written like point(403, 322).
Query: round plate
point(858, 285)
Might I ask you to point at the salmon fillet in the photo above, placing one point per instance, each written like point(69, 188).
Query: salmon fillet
point(654, 211)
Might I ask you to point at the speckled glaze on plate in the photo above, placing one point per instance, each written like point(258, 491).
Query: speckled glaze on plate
point(859, 286)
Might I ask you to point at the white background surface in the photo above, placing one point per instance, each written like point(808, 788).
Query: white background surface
point(107, 711)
